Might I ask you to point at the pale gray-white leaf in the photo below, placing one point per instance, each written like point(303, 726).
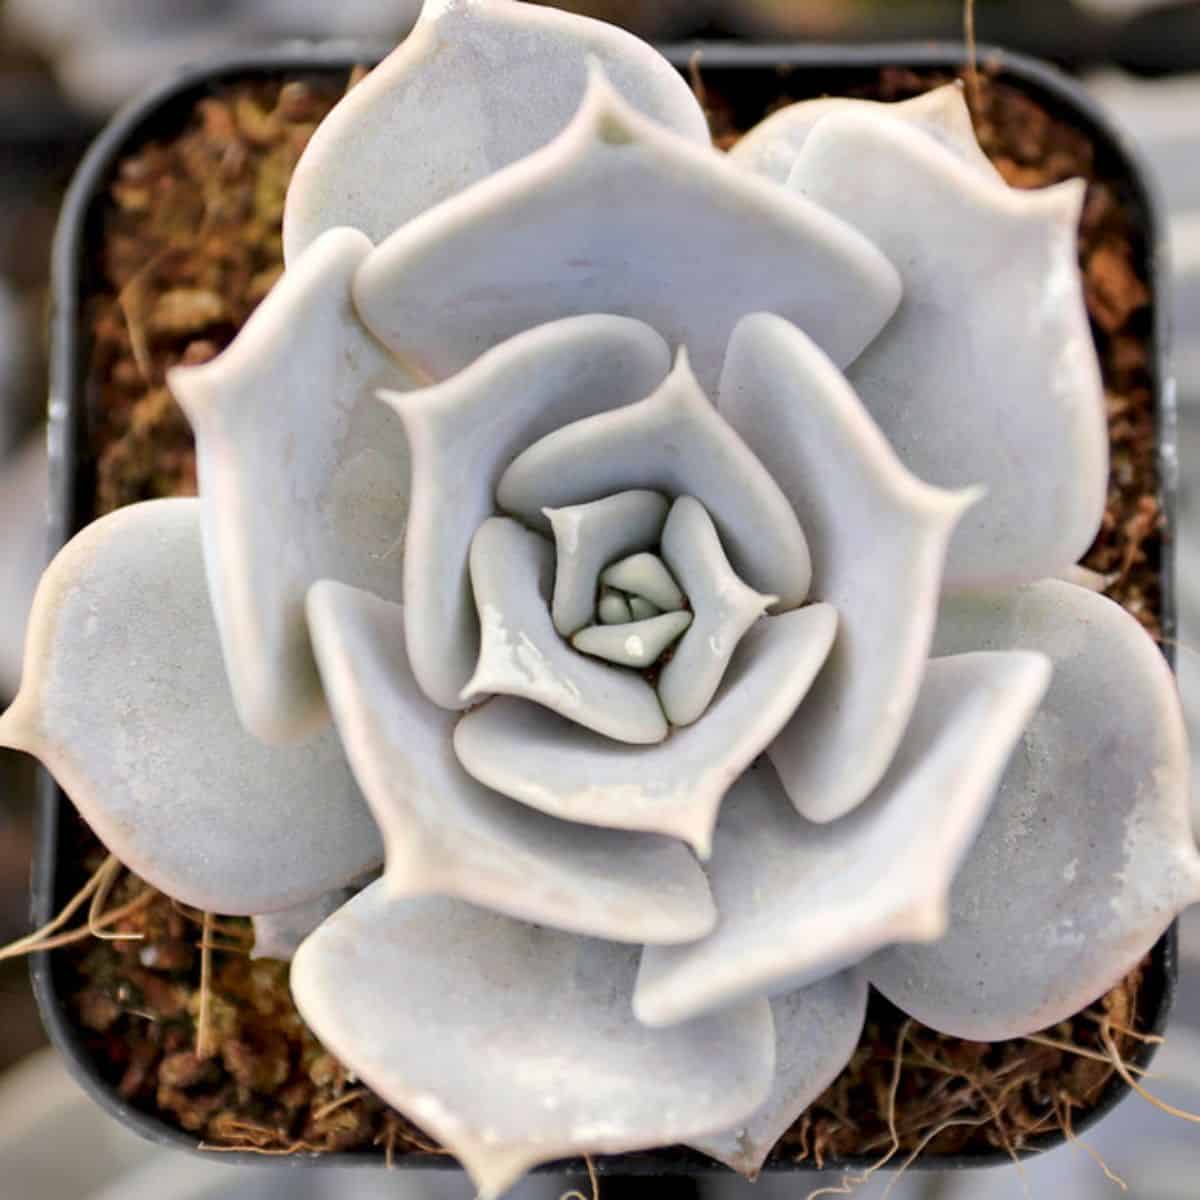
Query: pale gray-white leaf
point(816, 1031)
point(613, 608)
point(723, 605)
point(1087, 854)
point(640, 608)
point(303, 475)
point(279, 934)
point(464, 432)
point(675, 442)
point(800, 901)
point(990, 352)
point(618, 214)
point(125, 699)
point(587, 537)
point(513, 1045)
point(878, 538)
point(474, 87)
point(772, 146)
point(676, 788)
point(645, 575)
point(522, 655)
point(638, 644)
point(446, 834)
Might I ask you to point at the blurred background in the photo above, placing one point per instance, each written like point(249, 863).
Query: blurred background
point(65, 65)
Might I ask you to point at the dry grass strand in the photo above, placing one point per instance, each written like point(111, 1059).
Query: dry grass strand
point(108, 873)
point(1122, 1069)
point(850, 1181)
point(205, 1046)
point(48, 938)
point(349, 1097)
point(1041, 1039)
point(593, 1183)
point(1064, 1119)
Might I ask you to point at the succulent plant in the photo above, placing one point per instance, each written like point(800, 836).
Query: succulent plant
point(654, 557)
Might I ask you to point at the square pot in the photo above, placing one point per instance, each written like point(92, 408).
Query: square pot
point(748, 76)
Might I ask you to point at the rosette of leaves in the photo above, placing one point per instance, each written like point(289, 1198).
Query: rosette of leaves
point(654, 558)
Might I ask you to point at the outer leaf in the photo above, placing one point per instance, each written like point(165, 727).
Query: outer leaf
point(125, 699)
point(303, 475)
point(620, 215)
point(476, 86)
point(1087, 854)
point(816, 1031)
point(801, 901)
point(773, 145)
point(987, 373)
point(515, 1045)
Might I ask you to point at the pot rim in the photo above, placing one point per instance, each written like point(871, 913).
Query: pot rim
point(68, 502)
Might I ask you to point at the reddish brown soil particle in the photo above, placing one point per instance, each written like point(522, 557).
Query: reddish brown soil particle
point(191, 244)
point(1114, 292)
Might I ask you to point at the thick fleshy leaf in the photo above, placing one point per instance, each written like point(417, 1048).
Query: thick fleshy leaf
point(446, 834)
point(587, 537)
point(464, 432)
point(1087, 854)
point(723, 605)
point(675, 442)
point(676, 788)
point(514, 1045)
point(878, 540)
point(638, 644)
point(987, 373)
point(521, 654)
point(773, 145)
point(620, 215)
point(800, 901)
point(816, 1031)
point(612, 609)
point(303, 475)
point(125, 699)
point(645, 575)
point(477, 85)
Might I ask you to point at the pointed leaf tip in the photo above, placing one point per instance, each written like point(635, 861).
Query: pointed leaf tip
point(1112, 861)
point(532, 1061)
point(435, 80)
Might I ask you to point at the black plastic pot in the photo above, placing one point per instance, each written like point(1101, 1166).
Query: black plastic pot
point(749, 77)
point(1159, 40)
